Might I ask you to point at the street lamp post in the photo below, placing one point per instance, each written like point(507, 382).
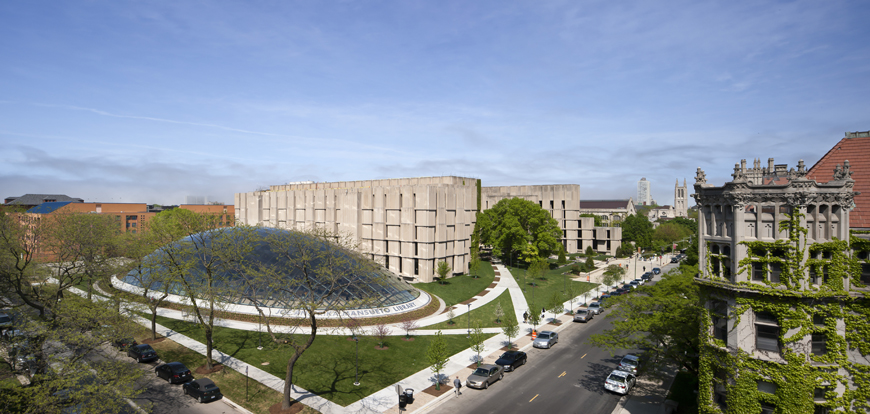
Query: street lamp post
point(356, 382)
point(469, 321)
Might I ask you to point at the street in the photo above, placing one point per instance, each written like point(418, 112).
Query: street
point(569, 378)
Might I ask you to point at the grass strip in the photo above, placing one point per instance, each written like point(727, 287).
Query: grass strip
point(458, 289)
point(485, 315)
point(328, 368)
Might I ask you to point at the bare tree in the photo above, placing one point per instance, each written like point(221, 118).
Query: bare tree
point(408, 324)
point(381, 331)
point(315, 272)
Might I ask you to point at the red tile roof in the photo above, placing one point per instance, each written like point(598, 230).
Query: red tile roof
point(857, 151)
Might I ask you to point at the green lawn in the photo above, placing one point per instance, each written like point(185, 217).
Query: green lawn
point(540, 291)
point(484, 315)
point(328, 367)
point(460, 288)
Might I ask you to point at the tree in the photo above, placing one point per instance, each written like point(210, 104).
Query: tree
point(669, 233)
point(590, 264)
point(381, 331)
point(511, 329)
point(538, 269)
point(612, 274)
point(637, 228)
point(665, 321)
point(571, 292)
point(155, 284)
point(408, 324)
point(594, 216)
point(477, 341)
point(57, 319)
point(556, 305)
point(575, 269)
point(534, 316)
point(201, 265)
point(474, 267)
point(514, 224)
point(450, 316)
point(437, 357)
point(325, 266)
point(690, 225)
point(498, 313)
point(562, 259)
point(589, 251)
point(442, 269)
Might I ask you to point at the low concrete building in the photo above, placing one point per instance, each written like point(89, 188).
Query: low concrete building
point(407, 224)
point(610, 211)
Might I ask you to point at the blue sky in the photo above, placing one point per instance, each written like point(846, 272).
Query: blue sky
point(151, 101)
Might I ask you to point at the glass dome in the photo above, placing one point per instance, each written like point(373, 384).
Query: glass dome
point(262, 265)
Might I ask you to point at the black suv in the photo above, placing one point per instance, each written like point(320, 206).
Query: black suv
point(174, 372)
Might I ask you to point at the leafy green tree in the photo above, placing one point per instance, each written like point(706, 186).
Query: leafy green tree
point(589, 251)
point(534, 316)
point(477, 341)
point(556, 305)
point(669, 233)
point(451, 314)
point(442, 269)
point(571, 293)
point(514, 224)
point(575, 269)
point(665, 321)
point(690, 225)
point(511, 329)
point(595, 216)
point(155, 284)
point(437, 357)
point(612, 274)
point(590, 264)
point(538, 269)
point(637, 228)
point(562, 259)
point(474, 267)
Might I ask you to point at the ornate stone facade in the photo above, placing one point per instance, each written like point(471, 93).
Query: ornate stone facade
point(782, 286)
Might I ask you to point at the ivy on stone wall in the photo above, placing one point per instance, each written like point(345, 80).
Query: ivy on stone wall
point(800, 313)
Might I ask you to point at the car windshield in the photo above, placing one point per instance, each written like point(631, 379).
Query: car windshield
point(481, 372)
point(146, 348)
point(507, 355)
point(629, 362)
point(543, 336)
point(615, 378)
point(593, 305)
point(4, 319)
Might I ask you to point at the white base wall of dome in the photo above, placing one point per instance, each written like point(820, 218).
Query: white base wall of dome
point(418, 303)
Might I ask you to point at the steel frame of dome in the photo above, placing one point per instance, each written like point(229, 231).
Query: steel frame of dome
point(382, 292)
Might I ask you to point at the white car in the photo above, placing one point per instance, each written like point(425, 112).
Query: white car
point(594, 308)
point(620, 382)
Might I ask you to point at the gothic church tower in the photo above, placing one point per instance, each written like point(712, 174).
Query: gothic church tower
point(681, 206)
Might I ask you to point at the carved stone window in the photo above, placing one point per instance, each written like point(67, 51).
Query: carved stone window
point(775, 271)
point(720, 320)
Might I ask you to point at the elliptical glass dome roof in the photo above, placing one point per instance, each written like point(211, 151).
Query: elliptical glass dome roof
point(263, 266)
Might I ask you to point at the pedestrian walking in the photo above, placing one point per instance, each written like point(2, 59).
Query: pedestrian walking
point(525, 316)
point(457, 385)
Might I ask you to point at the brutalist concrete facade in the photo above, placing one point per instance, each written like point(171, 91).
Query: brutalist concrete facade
point(785, 301)
point(562, 201)
point(407, 224)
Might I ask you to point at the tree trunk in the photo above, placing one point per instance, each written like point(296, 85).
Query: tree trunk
point(154, 323)
point(288, 381)
point(208, 347)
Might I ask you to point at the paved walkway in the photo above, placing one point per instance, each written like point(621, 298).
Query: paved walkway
point(386, 400)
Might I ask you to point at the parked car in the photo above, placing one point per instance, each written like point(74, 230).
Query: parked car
point(546, 339)
point(484, 375)
point(594, 308)
point(124, 343)
point(510, 360)
point(620, 382)
point(640, 282)
point(647, 276)
point(629, 363)
point(582, 315)
point(657, 271)
point(675, 260)
point(5, 321)
point(142, 352)
point(634, 284)
point(202, 389)
point(621, 291)
point(603, 298)
point(174, 372)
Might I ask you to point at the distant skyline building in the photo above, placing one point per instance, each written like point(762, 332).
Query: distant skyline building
point(194, 199)
point(681, 199)
point(644, 195)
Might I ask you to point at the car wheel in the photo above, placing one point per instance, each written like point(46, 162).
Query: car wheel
point(501, 376)
point(202, 399)
point(486, 384)
point(185, 390)
point(524, 362)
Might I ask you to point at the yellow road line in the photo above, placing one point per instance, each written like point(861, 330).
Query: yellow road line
point(584, 356)
point(533, 398)
point(563, 374)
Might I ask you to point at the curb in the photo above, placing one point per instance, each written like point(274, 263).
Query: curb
point(236, 406)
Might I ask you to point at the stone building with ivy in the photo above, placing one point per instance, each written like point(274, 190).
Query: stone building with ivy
point(786, 327)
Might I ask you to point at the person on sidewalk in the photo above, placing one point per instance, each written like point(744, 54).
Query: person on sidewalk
point(525, 316)
point(457, 385)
